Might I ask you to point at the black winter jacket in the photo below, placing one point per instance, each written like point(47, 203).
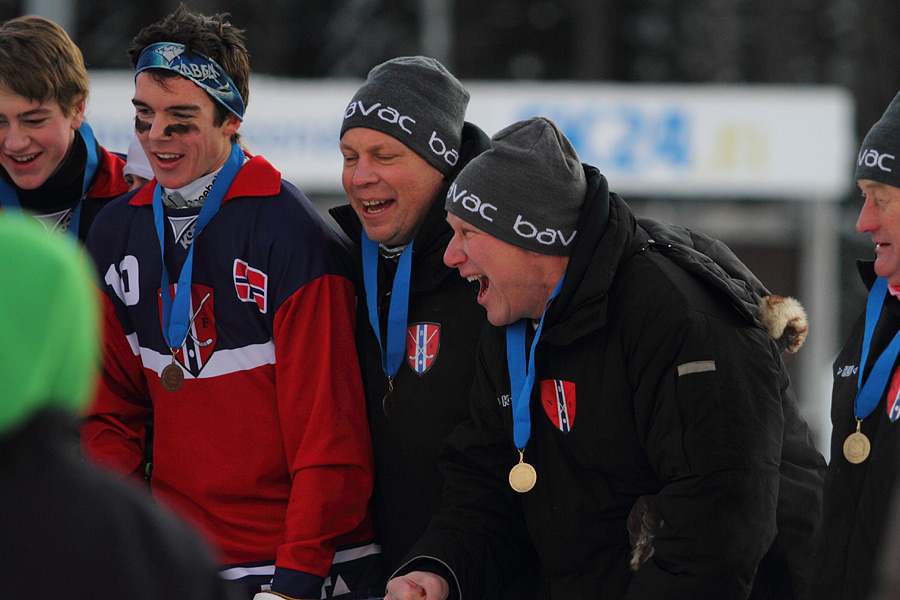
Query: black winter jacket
point(678, 395)
point(72, 531)
point(427, 405)
point(857, 496)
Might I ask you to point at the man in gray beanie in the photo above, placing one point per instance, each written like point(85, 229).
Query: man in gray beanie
point(632, 418)
point(866, 392)
point(404, 138)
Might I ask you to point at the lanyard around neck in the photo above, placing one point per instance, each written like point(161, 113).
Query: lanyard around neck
point(176, 313)
point(392, 352)
point(870, 389)
point(521, 375)
point(9, 200)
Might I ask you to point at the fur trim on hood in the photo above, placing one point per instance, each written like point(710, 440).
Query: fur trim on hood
point(784, 316)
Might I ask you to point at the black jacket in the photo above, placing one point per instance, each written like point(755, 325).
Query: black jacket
point(71, 531)
point(428, 405)
point(677, 394)
point(857, 496)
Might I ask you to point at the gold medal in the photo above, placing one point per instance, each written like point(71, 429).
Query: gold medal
point(172, 377)
point(857, 446)
point(522, 476)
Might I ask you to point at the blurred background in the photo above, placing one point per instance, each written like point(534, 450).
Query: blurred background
point(797, 244)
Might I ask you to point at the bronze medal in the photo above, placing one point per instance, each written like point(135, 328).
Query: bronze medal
point(172, 377)
point(389, 402)
point(522, 476)
point(857, 447)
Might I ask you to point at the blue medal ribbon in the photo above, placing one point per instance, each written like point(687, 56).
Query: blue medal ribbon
point(392, 353)
point(10, 201)
point(872, 387)
point(176, 314)
point(521, 376)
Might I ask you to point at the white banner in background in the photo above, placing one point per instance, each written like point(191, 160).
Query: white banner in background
point(655, 140)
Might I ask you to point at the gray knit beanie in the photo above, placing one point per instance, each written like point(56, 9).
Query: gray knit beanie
point(528, 189)
point(417, 101)
point(877, 159)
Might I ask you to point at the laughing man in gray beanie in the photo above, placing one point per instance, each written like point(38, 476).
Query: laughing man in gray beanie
point(404, 139)
point(631, 414)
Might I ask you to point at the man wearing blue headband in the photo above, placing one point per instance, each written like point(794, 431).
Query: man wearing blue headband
point(245, 362)
point(50, 164)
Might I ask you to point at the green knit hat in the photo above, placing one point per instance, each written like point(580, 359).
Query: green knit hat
point(49, 322)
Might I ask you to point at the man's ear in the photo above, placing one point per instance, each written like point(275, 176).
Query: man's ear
point(231, 125)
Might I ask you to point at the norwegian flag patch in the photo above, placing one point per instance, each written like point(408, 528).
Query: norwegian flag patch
point(558, 399)
point(251, 284)
point(423, 340)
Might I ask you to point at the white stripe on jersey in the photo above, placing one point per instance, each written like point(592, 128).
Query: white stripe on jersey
point(342, 556)
point(221, 362)
point(234, 573)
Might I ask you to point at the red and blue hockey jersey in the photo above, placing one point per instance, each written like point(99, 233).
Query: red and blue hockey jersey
point(265, 447)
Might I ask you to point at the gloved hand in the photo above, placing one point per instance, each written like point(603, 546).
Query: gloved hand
point(643, 523)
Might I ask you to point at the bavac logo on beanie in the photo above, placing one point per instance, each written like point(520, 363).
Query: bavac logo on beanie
point(527, 190)
point(877, 155)
point(417, 101)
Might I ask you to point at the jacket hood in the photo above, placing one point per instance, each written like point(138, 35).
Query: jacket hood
point(49, 342)
point(609, 234)
point(783, 317)
point(606, 232)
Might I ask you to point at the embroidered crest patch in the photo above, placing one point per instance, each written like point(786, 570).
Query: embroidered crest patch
point(558, 399)
point(893, 397)
point(201, 335)
point(423, 340)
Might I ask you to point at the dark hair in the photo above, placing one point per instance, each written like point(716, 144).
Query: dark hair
point(213, 37)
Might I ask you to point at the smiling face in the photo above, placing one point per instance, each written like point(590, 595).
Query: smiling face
point(35, 137)
point(880, 218)
point(390, 187)
point(515, 283)
point(175, 123)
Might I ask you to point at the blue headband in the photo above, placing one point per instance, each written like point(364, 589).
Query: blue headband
point(203, 71)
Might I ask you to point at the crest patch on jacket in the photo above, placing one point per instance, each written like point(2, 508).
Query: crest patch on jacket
point(423, 340)
point(558, 399)
point(201, 335)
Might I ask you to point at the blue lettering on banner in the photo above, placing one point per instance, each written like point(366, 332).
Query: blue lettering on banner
point(624, 139)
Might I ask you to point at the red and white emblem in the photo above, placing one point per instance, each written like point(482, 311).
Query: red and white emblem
point(893, 397)
point(251, 284)
point(423, 340)
point(558, 399)
point(201, 336)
